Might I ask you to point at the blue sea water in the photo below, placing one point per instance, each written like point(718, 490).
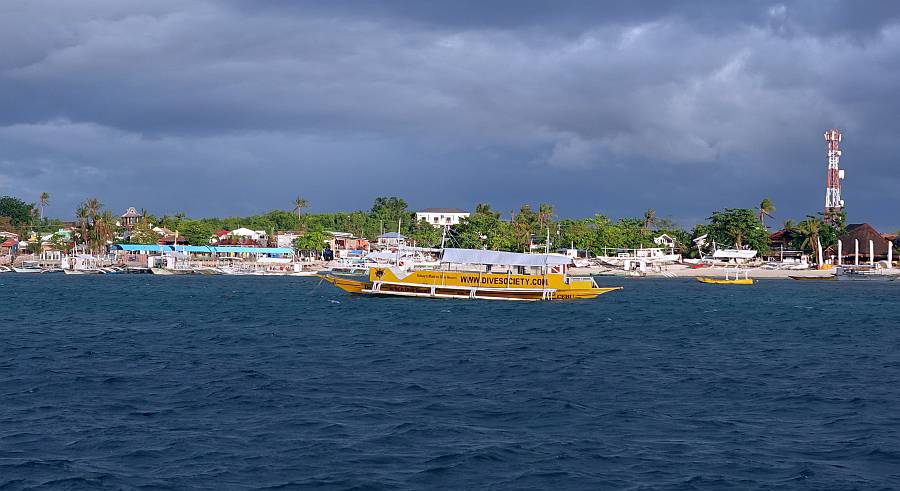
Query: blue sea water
point(239, 382)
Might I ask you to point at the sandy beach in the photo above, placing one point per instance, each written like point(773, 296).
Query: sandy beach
point(685, 271)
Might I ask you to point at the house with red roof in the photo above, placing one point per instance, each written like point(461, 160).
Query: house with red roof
point(218, 235)
point(9, 247)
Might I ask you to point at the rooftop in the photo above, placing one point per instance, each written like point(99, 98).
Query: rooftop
point(861, 230)
point(131, 213)
point(202, 249)
point(442, 210)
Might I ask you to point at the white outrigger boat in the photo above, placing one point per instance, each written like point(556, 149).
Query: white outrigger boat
point(479, 274)
point(81, 264)
point(624, 258)
point(405, 258)
point(28, 267)
point(262, 267)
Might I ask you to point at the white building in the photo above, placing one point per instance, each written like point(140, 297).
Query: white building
point(286, 239)
point(392, 239)
point(441, 217)
point(665, 240)
point(247, 234)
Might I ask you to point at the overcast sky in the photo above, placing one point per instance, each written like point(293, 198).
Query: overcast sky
point(227, 108)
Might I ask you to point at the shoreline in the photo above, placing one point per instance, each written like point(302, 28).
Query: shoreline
point(683, 271)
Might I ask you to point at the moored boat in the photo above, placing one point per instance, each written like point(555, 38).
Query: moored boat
point(729, 279)
point(813, 278)
point(725, 281)
point(28, 268)
point(855, 273)
point(478, 274)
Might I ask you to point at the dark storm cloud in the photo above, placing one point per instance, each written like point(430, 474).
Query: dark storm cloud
point(680, 106)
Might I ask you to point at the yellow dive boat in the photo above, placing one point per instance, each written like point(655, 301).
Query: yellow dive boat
point(727, 280)
point(723, 281)
point(473, 274)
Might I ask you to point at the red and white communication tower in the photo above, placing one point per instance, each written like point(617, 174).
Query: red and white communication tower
point(833, 201)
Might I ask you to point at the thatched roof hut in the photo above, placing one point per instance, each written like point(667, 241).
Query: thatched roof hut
point(863, 232)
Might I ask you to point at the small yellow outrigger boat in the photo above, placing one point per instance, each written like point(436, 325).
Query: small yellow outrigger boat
point(536, 277)
point(736, 280)
point(722, 281)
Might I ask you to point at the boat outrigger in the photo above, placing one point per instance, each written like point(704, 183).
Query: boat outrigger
point(476, 274)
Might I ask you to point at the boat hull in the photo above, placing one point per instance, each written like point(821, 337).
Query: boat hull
point(722, 281)
point(865, 277)
point(169, 272)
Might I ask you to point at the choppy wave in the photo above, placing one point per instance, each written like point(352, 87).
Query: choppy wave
point(278, 383)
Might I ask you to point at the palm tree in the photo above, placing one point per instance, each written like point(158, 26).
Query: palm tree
point(103, 230)
point(44, 201)
point(766, 208)
point(34, 215)
point(484, 209)
point(790, 224)
point(545, 213)
point(299, 205)
point(81, 213)
point(93, 206)
point(649, 218)
point(809, 229)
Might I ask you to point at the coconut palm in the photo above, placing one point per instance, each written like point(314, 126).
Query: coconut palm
point(766, 208)
point(649, 218)
point(483, 209)
point(545, 213)
point(44, 201)
point(102, 231)
point(108, 230)
point(93, 206)
point(299, 205)
point(809, 229)
point(81, 213)
point(790, 224)
point(35, 215)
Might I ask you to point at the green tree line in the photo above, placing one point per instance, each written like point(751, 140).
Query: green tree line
point(485, 228)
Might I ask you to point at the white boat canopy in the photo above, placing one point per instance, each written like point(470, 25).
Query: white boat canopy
point(387, 255)
point(477, 256)
point(274, 260)
point(734, 254)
